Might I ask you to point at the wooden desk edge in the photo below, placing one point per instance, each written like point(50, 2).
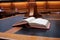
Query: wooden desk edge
point(25, 37)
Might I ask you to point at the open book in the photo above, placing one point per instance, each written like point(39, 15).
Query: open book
point(38, 22)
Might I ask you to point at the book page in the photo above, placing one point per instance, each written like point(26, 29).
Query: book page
point(40, 21)
point(30, 19)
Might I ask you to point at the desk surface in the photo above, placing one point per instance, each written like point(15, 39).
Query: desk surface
point(25, 37)
point(54, 31)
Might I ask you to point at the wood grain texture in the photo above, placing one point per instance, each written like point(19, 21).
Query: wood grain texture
point(13, 30)
point(25, 37)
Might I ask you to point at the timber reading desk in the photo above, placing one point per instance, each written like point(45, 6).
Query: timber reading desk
point(18, 33)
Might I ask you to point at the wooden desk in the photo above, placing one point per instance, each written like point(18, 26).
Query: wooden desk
point(25, 37)
point(5, 26)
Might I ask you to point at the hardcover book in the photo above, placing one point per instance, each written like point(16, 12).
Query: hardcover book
point(38, 22)
point(34, 23)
